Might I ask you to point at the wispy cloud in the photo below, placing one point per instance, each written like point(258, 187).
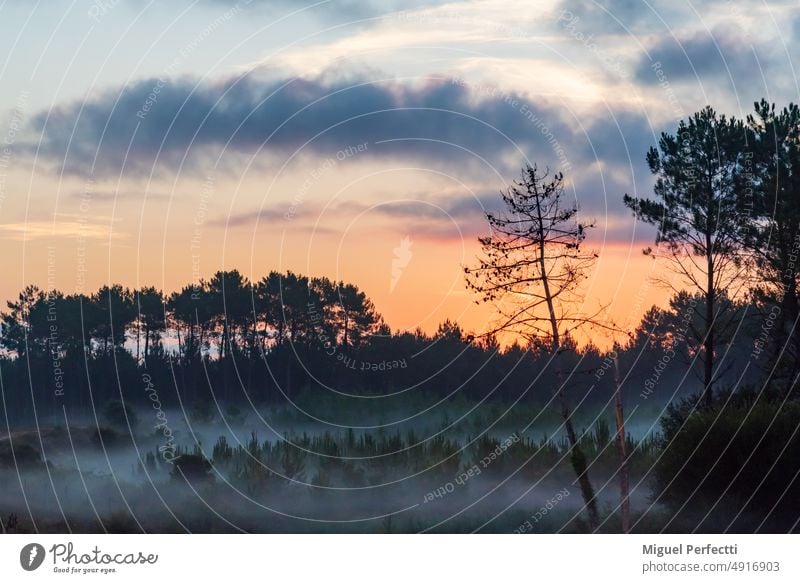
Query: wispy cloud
point(109, 196)
point(37, 230)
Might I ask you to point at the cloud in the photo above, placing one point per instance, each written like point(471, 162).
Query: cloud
point(479, 133)
point(609, 16)
point(179, 124)
point(449, 216)
point(343, 9)
point(703, 56)
point(60, 229)
point(634, 17)
point(269, 216)
point(109, 196)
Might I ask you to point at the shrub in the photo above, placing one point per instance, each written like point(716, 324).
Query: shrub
point(119, 415)
point(741, 457)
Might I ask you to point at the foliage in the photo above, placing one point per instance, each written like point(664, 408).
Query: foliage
point(742, 456)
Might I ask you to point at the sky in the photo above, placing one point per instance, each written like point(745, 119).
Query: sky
point(154, 143)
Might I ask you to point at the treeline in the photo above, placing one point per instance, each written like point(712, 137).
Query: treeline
point(224, 315)
point(73, 349)
point(289, 337)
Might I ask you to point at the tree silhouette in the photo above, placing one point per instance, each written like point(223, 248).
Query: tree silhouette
point(18, 322)
point(531, 270)
point(357, 316)
point(151, 316)
point(294, 297)
point(109, 314)
point(229, 297)
point(699, 216)
point(774, 234)
point(269, 309)
point(190, 312)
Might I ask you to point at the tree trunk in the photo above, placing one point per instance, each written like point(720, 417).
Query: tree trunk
point(624, 468)
point(577, 458)
point(789, 333)
point(288, 378)
point(708, 342)
point(223, 348)
point(180, 347)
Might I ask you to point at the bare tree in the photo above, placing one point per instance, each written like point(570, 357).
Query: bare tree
point(531, 270)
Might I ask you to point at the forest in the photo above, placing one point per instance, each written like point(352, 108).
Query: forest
point(287, 404)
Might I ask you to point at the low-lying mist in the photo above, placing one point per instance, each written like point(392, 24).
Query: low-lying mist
point(276, 470)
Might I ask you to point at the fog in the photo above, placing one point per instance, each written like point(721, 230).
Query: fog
point(268, 471)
